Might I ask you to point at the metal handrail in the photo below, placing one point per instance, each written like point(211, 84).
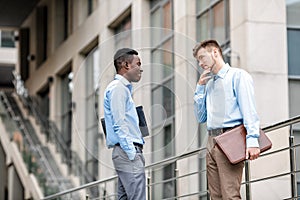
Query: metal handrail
point(156, 164)
point(282, 124)
point(27, 136)
point(43, 121)
point(35, 147)
point(68, 156)
point(48, 126)
point(166, 161)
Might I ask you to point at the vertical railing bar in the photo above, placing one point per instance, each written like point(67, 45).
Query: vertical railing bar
point(292, 162)
point(177, 191)
point(247, 165)
point(247, 180)
point(149, 185)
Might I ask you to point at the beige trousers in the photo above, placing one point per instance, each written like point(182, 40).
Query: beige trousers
point(224, 178)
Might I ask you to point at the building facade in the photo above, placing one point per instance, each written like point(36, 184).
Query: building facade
point(65, 61)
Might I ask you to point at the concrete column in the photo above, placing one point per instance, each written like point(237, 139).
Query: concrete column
point(15, 188)
point(79, 112)
point(3, 173)
point(141, 41)
point(186, 134)
point(258, 39)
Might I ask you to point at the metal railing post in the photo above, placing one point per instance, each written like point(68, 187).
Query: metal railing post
point(104, 192)
point(247, 180)
point(149, 186)
point(292, 163)
point(177, 191)
point(205, 194)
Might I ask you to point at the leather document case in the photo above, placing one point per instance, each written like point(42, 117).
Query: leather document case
point(233, 143)
point(142, 122)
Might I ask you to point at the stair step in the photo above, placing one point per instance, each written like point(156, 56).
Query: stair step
point(60, 182)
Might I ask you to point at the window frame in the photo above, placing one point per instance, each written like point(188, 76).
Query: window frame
point(209, 9)
point(91, 161)
point(119, 29)
point(162, 39)
point(297, 28)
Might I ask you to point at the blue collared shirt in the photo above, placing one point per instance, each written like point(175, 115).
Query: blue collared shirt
point(227, 100)
point(121, 119)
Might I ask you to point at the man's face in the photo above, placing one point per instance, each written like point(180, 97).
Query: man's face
point(205, 59)
point(134, 72)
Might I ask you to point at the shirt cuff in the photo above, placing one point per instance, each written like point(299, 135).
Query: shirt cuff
point(200, 89)
point(252, 142)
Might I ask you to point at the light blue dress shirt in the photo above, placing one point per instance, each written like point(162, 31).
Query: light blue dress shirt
point(121, 119)
point(227, 100)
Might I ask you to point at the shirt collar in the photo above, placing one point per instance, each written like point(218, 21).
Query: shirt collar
point(123, 80)
point(223, 71)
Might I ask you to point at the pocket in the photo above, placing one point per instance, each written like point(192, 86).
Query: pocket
point(139, 158)
point(138, 163)
point(114, 154)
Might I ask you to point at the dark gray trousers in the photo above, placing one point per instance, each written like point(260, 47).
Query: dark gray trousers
point(131, 174)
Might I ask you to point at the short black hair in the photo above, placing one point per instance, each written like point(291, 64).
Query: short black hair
point(123, 55)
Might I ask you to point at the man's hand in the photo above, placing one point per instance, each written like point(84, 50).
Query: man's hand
point(204, 77)
point(252, 153)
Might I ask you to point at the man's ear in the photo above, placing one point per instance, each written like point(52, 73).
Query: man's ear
point(125, 65)
point(215, 52)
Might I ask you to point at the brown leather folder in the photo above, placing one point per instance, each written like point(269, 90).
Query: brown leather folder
point(233, 143)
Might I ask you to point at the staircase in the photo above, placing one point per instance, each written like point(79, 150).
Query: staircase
point(68, 162)
point(54, 137)
point(37, 157)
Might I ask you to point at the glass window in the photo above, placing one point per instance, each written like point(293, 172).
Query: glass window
point(161, 19)
point(212, 23)
point(167, 18)
point(155, 24)
point(91, 6)
point(153, 3)
point(163, 102)
point(202, 4)
point(92, 96)
point(213, 20)
point(203, 27)
point(162, 60)
point(293, 42)
point(164, 138)
point(123, 34)
point(163, 112)
point(218, 13)
point(66, 107)
point(63, 20)
point(293, 12)
point(293, 37)
point(7, 39)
